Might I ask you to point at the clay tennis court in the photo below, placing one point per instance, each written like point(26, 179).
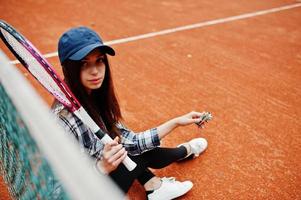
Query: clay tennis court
point(245, 70)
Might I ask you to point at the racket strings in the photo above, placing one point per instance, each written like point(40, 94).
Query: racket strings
point(35, 67)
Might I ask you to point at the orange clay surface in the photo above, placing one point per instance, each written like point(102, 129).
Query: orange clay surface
point(246, 72)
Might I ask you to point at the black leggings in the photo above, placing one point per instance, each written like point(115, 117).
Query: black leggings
point(156, 158)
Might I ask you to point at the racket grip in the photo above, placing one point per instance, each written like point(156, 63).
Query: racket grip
point(128, 163)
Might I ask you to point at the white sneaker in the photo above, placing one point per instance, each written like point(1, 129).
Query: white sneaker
point(197, 145)
point(170, 189)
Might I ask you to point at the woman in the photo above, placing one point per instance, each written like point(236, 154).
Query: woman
point(83, 57)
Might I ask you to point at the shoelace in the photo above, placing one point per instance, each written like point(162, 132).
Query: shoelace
point(169, 179)
point(195, 148)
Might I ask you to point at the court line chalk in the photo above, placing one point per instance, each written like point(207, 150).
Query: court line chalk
point(188, 27)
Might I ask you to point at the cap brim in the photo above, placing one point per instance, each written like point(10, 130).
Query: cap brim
point(80, 54)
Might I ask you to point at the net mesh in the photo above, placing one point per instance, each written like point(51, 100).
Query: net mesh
point(35, 67)
point(23, 166)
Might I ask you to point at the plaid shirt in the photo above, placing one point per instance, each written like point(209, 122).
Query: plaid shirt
point(134, 143)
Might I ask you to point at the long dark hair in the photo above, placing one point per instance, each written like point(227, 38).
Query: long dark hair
point(102, 104)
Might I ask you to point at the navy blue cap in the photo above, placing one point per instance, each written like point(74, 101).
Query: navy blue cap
point(76, 43)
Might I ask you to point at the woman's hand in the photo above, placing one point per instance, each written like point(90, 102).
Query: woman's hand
point(189, 118)
point(167, 127)
point(113, 155)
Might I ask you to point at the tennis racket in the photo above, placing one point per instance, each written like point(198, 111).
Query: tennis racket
point(39, 67)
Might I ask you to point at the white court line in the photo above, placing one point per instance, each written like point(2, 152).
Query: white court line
point(188, 27)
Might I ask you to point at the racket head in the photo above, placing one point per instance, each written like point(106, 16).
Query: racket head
point(37, 65)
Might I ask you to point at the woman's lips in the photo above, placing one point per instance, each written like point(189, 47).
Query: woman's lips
point(96, 80)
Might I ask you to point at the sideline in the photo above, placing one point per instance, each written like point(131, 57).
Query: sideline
point(188, 27)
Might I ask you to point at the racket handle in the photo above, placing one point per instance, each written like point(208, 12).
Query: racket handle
point(128, 163)
point(82, 114)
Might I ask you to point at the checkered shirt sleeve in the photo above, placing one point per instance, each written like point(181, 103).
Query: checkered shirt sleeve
point(134, 143)
point(137, 143)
